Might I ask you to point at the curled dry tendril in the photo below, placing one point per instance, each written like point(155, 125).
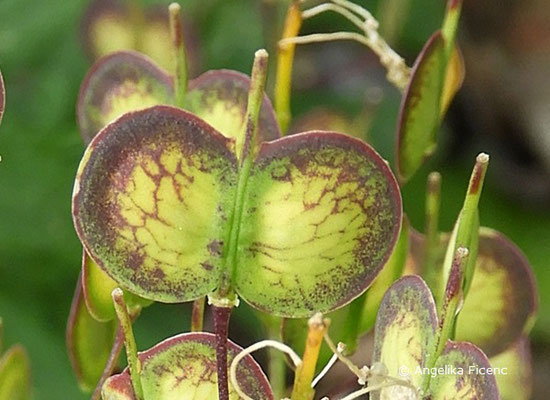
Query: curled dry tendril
point(377, 375)
point(398, 73)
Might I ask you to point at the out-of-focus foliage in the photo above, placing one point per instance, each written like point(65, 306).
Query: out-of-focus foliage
point(43, 65)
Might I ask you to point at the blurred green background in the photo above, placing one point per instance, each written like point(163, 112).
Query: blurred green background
point(43, 63)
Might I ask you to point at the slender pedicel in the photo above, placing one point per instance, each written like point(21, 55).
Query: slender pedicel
point(134, 365)
point(180, 73)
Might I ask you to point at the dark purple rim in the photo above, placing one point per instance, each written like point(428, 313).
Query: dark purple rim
point(426, 51)
point(208, 339)
point(272, 148)
point(71, 321)
point(102, 135)
point(129, 56)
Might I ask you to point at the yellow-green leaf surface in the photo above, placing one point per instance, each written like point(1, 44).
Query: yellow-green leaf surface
point(152, 201)
point(391, 272)
point(156, 42)
point(15, 375)
point(419, 117)
point(155, 39)
point(464, 375)
point(220, 98)
point(128, 81)
point(437, 75)
point(97, 287)
point(89, 342)
point(515, 379)
point(294, 331)
point(404, 333)
point(322, 213)
point(2, 96)
point(432, 87)
point(106, 28)
point(184, 368)
point(502, 300)
point(116, 84)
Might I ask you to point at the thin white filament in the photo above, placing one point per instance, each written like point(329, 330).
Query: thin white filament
point(347, 362)
point(392, 382)
point(296, 360)
point(325, 37)
point(361, 392)
point(355, 8)
point(398, 72)
point(312, 12)
point(325, 370)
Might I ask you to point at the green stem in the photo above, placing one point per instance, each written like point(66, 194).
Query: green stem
point(197, 315)
point(246, 156)
point(285, 61)
point(224, 298)
point(305, 373)
point(180, 73)
point(468, 227)
point(254, 105)
point(276, 366)
point(352, 324)
point(475, 185)
point(431, 246)
point(129, 341)
point(450, 25)
point(453, 295)
point(447, 316)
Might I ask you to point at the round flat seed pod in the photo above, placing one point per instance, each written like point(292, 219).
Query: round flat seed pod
point(184, 368)
point(515, 382)
point(118, 83)
point(322, 214)
point(419, 116)
point(89, 342)
point(152, 201)
point(502, 302)
point(404, 333)
point(220, 97)
point(15, 375)
point(436, 78)
point(468, 377)
point(156, 195)
point(107, 27)
point(97, 287)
